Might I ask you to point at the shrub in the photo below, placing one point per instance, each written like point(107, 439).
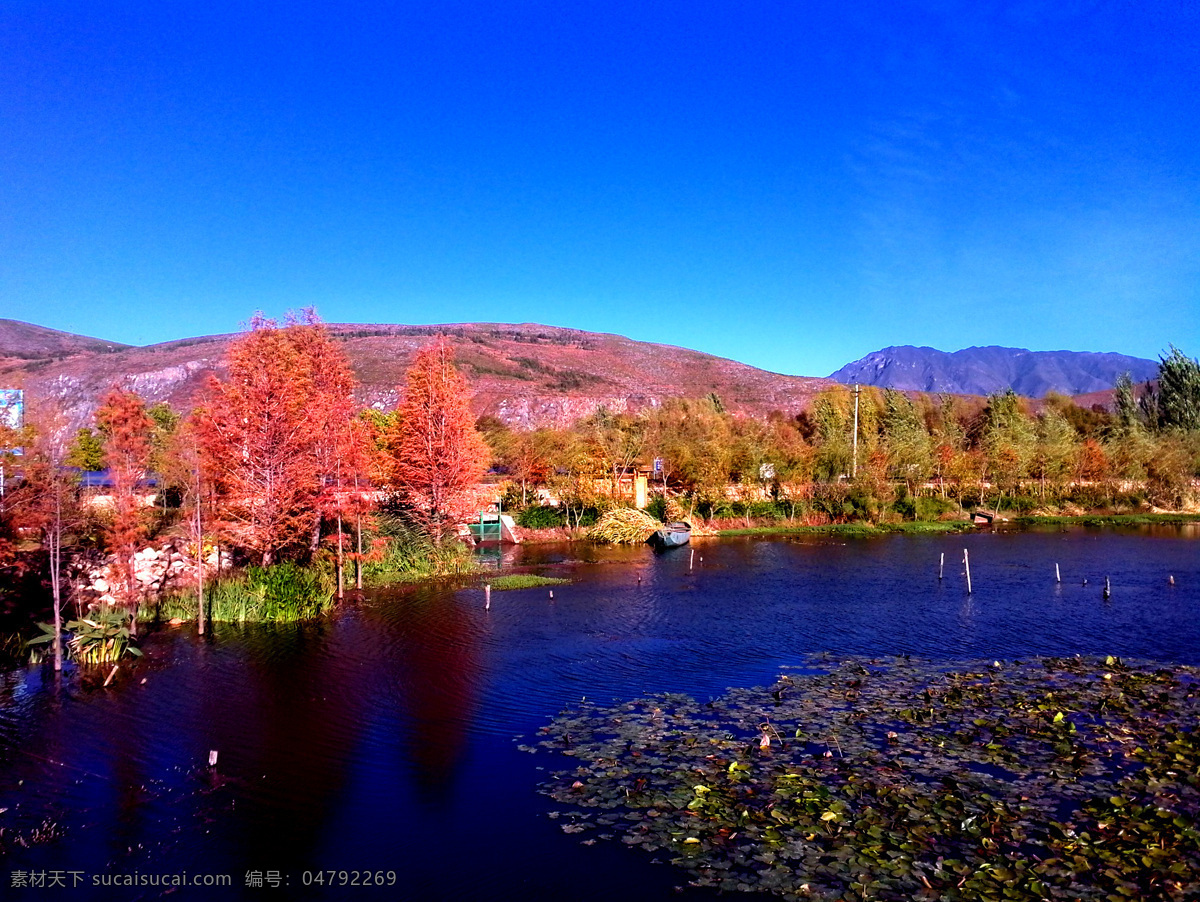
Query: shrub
point(540, 516)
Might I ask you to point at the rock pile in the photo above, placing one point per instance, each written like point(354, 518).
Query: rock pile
point(156, 569)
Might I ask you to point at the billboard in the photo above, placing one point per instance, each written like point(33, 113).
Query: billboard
point(12, 415)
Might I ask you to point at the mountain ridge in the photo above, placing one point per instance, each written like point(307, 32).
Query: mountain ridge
point(530, 375)
point(526, 374)
point(986, 369)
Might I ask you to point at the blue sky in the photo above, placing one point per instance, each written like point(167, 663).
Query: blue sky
point(789, 184)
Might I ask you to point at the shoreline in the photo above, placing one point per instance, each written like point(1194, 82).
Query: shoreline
point(908, 527)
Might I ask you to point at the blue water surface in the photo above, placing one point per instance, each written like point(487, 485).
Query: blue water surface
point(384, 739)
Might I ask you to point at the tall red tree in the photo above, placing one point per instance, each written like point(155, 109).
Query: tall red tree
point(126, 428)
point(438, 456)
point(47, 499)
point(341, 447)
point(273, 430)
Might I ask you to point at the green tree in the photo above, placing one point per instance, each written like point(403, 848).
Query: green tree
point(1055, 451)
point(1009, 441)
point(1125, 403)
point(909, 454)
point(616, 441)
point(1177, 400)
point(86, 451)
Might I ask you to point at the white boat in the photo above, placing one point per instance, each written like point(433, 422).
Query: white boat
point(672, 535)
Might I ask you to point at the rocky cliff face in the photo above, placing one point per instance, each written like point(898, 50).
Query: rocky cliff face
point(984, 371)
point(526, 375)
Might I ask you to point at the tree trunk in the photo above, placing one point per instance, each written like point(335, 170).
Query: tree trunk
point(199, 562)
point(339, 555)
point(314, 542)
point(55, 544)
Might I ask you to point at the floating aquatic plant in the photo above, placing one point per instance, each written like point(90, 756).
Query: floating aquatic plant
point(898, 780)
point(525, 581)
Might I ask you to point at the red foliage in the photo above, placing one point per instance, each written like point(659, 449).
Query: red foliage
point(437, 455)
point(273, 432)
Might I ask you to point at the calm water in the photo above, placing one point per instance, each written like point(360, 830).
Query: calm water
point(385, 739)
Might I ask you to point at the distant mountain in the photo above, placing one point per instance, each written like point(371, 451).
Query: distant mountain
point(526, 375)
point(984, 371)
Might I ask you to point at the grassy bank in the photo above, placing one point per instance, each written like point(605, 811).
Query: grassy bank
point(855, 530)
point(288, 592)
point(1169, 519)
point(909, 527)
point(284, 593)
point(402, 553)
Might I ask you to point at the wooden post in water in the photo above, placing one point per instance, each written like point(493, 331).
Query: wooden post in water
point(200, 559)
point(1057, 575)
point(941, 565)
point(967, 564)
point(552, 595)
point(692, 559)
point(212, 758)
point(487, 597)
point(1107, 587)
point(1171, 580)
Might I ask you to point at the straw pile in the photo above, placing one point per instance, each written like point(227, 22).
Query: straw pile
point(623, 526)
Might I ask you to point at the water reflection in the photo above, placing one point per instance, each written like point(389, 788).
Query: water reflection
point(437, 681)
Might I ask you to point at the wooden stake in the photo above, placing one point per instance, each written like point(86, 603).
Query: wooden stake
point(1171, 580)
point(692, 559)
point(941, 565)
point(487, 597)
point(1107, 587)
point(212, 758)
point(967, 564)
point(1057, 575)
point(552, 595)
point(111, 674)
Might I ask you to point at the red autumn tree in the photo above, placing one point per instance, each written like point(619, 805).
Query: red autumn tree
point(47, 499)
point(437, 454)
point(126, 428)
point(273, 431)
point(338, 441)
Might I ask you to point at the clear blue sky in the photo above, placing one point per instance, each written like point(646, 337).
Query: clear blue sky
point(790, 184)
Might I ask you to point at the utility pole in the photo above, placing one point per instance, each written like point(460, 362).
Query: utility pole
point(854, 462)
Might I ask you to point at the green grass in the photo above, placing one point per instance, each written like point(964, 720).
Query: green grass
point(284, 593)
point(405, 554)
point(524, 581)
point(1109, 520)
point(855, 530)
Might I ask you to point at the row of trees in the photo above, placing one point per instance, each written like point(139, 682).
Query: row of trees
point(1003, 449)
point(270, 463)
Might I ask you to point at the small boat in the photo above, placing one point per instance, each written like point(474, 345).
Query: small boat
point(672, 535)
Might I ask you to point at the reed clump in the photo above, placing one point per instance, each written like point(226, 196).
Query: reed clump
point(282, 593)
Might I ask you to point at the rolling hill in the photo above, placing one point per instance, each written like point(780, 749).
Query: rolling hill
point(527, 375)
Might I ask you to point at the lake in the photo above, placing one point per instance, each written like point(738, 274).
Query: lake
point(384, 740)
